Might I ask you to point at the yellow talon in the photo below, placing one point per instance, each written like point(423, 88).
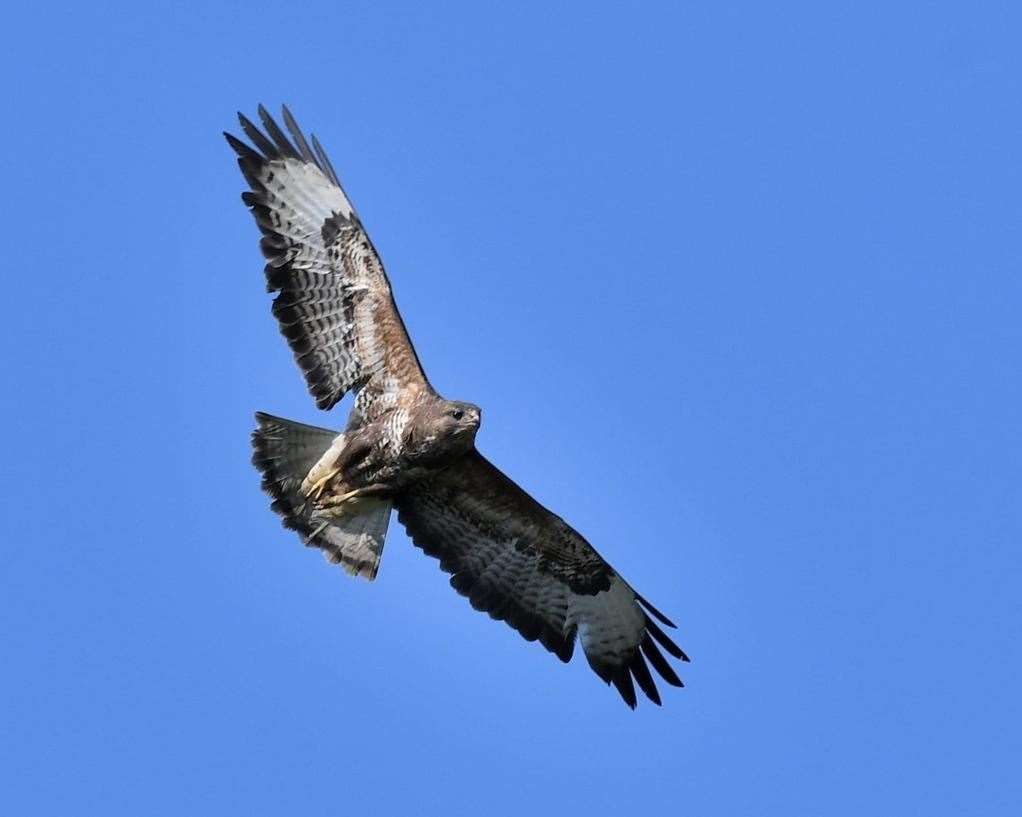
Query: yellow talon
point(316, 489)
point(340, 500)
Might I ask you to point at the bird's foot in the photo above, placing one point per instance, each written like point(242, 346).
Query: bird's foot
point(315, 490)
point(333, 501)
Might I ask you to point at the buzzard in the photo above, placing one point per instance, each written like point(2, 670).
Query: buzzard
point(406, 447)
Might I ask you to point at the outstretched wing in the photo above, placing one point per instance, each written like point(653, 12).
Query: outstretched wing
point(335, 305)
point(522, 564)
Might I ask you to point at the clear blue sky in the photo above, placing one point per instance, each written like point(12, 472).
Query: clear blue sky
point(738, 287)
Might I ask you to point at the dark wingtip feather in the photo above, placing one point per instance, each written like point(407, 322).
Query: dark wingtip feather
point(277, 135)
point(239, 147)
point(641, 674)
point(251, 198)
point(656, 658)
point(298, 136)
point(664, 640)
point(324, 160)
point(269, 150)
point(650, 608)
point(622, 679)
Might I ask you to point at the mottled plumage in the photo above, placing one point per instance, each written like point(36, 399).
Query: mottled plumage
point(405, 446)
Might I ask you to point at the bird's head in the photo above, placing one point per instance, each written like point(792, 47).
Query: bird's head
point(459, 421)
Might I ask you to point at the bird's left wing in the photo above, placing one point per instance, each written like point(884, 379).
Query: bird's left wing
point(525, 565)
point(334, 305)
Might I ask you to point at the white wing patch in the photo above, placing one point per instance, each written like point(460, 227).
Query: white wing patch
point(609, 623)
point(518, 562)
point(334, 304)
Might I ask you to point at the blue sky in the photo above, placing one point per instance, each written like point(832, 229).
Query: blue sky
point(738, 288)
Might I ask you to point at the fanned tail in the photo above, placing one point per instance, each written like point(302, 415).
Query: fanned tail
point(284, 452)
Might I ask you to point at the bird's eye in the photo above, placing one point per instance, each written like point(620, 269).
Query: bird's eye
point(457, 414)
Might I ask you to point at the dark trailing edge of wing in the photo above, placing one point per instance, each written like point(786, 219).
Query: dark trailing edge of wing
point(275, 247)
point(503, 607)
point(470, 581)
point(319, 365)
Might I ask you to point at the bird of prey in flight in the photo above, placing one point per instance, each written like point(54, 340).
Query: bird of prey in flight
point(404, 446)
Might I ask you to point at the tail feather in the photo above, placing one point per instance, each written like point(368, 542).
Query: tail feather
point(284, 452)
point(355, 541)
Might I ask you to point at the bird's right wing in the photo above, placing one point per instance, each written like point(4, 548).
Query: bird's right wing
point(335, 305)
point(523, 564)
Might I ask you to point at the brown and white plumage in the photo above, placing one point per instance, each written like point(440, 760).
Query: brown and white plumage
point(523, 564)
point(405, 446)
point(334, 304)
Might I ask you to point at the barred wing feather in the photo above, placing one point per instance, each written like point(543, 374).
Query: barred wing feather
point(334, 305)
point(520, 563)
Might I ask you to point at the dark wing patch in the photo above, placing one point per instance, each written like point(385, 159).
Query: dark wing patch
point(334, 304)
point(520, 563)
